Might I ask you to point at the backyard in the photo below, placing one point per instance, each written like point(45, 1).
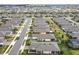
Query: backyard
point(61, 37)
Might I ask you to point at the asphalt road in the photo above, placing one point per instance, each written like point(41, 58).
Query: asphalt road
point(18, 43)
point(69, 19)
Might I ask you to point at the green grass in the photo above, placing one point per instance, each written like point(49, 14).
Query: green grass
point(57, 30)
point(75, 52)
point(25, 52)
point(9, 49)
point(62, 38)
point(3, 48)
point(9, 37)
point(28, 42)
point(64, 48)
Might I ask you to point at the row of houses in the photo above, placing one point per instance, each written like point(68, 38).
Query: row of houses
point(71, 29)
point(43, 41)
point(6, 28)
point(12, 8)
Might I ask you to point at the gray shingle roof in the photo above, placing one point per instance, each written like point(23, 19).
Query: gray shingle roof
point(41, 30)
point(67, 26)
point(44, 46)
point(40, 25)
point(44, 36)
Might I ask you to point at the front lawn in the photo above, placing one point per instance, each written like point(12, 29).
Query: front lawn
point(28, 42)
point(25, 52)
point(9, 37)
point(3, 48)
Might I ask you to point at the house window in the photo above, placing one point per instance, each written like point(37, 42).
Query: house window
point(52, 39)
point(52, 52)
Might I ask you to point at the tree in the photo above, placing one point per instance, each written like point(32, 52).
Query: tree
point(15, 30)
point(0, 24)
point(4, 20)
point(77, 20)
point(28, 42)
point(25, 52)
point(8, 37)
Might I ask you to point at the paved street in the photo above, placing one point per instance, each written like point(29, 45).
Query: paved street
point(69, 19)
point(17, 45)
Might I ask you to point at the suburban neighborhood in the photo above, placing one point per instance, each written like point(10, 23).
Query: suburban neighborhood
point(39, 29)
